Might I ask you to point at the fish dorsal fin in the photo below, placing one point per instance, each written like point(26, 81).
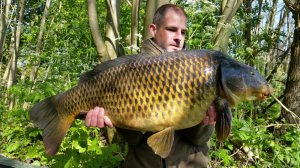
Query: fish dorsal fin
point(107, 65)
point(161, 142)
point(150, 48)
point(224, 119)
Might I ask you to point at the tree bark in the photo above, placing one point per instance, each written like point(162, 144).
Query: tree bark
point(3, 28)
point(96, 33)
point(135, 26)
point(259, 17)
point(292, 91)
point(39, 41)
point(271, 28)
point(112, 27)
point(248, 30)
point(221, 37)
point(273, 14)
point(24, 70)
point(151, 7)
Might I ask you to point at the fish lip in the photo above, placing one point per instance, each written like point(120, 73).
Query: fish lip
point(267, 92)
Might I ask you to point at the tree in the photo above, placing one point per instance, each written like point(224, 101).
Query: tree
point(135, 26)
point(14, 50)
point(39, 41)
point(292, 91)
point(227, 11)
point(150, 10)
point(3, 28)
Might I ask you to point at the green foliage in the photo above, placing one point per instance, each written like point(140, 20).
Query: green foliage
point(268, 148)
point(24, 141)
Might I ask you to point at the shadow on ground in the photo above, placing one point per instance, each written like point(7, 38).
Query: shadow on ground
point(10, 163)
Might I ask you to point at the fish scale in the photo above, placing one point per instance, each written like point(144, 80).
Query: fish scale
point(162, 93)
point(124, 100)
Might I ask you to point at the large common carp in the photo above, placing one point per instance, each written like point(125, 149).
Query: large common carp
point(161, 94)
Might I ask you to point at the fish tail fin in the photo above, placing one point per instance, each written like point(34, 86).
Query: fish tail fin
point(45, 115)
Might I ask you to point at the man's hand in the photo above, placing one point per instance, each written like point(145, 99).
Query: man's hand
point(211, 116)
point(96, 118)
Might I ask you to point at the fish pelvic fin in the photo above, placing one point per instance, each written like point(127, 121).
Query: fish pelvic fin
point(45, 115)
point(224, 119)
point(162, 141)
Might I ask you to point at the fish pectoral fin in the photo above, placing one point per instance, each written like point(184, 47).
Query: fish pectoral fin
point(224, 120)
point(82, 114)
point(161, 142)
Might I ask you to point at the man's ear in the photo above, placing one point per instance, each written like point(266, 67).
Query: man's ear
point(152, 29)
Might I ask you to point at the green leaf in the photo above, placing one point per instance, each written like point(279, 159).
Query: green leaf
point(69, 163)
point(118, 158)
point(36, 163)
point(32, 154)
point(12, 147)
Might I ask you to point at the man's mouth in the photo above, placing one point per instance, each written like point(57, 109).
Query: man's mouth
point(174, 45)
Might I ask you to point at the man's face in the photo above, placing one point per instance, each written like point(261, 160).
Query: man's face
point(170, 36)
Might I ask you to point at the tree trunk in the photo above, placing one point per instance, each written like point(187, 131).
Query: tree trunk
point(96, 33)
point(3, 28)
point(24, 70)
point(112, 27)
point(221, 37)
point(292, 91)
point(39, 42)
point(248, 31)
point(271, 27)
point(273, 14)
point(259, 17)
point(151, 7)
point(135, 26)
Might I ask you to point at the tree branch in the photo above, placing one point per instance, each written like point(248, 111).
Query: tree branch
point(283, 56)
point(278, 125)
point(271, 104)
point(294, 116)
point(292, 6)
point(113, 18)
point(96, 33)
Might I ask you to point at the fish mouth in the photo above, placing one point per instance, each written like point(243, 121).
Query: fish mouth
point(266, 92)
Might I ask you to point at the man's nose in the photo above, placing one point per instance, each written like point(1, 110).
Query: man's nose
point(178, 36)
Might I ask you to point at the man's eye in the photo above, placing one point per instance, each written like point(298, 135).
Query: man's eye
point(183, 33)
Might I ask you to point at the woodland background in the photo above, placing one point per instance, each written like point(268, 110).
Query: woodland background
point(46, 45)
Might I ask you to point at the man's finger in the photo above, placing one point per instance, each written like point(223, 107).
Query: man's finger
point(108, 122)
point(100, 115)
point(211, 113)
point(88, 118)
point(94, 117)
point(205, 121)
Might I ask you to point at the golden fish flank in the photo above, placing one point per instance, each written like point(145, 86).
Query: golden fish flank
point(120, 92)
point(162, 93)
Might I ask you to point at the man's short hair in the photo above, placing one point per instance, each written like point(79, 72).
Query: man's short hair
point(159, 15)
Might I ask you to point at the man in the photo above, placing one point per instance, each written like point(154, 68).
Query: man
point(190, 146)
